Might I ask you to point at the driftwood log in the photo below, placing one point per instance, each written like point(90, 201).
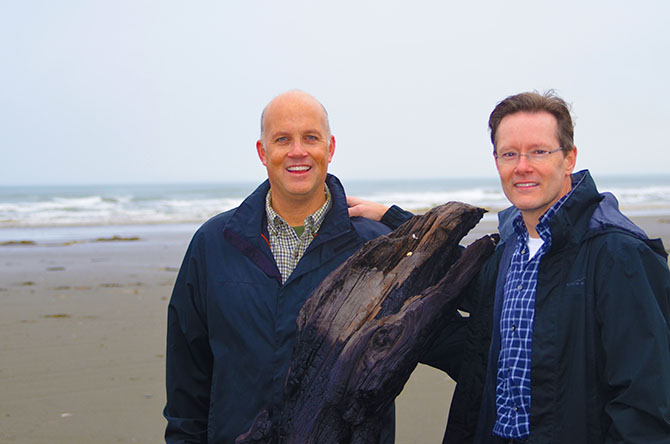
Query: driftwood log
point(362, 331)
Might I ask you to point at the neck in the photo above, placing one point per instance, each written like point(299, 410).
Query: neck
point(294, 212)
point(532, 232)
point(531, 222)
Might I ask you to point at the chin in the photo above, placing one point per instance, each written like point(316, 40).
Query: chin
point(525, 205)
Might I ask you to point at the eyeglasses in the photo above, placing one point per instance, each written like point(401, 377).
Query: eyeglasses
point(536, 156)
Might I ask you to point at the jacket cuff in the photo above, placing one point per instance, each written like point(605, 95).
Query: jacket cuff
point(395, 216)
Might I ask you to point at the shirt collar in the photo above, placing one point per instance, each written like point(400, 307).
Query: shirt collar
point(276, 224)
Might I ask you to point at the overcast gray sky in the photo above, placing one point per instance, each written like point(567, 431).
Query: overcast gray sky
point(132, 91)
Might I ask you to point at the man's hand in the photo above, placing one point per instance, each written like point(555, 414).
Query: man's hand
point(365, 208)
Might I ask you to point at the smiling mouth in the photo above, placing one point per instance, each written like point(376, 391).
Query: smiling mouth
point(525, 184)
point(298, 169)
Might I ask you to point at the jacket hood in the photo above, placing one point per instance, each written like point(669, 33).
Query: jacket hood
point(607, 214)
point(607, 217)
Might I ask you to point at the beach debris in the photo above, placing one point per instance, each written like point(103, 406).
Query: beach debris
point(362, 331)
point(55, 268)
point(27, 283)
point(66, 415)
point(56, 316)
point(21, 242)
point(116, 238)
point(67, 244)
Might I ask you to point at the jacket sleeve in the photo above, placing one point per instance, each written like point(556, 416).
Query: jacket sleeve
point(632, 301)
point(464, 336)
point(395, 216)
point(445, 350)
point(188, 356)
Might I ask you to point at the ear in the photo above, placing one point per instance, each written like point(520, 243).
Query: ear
point(261, 152)
point(331, 148)
point(571, 160)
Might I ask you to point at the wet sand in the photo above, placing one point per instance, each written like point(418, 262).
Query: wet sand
point(83, 342)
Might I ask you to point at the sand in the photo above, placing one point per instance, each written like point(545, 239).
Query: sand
point(83, 342)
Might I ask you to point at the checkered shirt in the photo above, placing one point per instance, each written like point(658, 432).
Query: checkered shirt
point(287, 248)
point(513, 395)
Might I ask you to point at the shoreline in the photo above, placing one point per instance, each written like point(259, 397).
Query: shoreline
point(89, 232)
point(83, 328)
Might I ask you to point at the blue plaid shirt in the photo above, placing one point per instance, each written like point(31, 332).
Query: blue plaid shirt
point(516, 330)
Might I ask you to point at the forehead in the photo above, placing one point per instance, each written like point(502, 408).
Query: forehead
point(524, 128)
point(294, 112)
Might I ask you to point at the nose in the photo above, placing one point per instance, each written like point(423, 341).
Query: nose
point(297, 149)
point(523, 165)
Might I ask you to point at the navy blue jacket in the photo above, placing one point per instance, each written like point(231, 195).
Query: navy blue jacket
point(231, 322)
point(600, 360)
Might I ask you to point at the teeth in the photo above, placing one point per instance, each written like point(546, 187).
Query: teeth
point(298, 168)
point(525, 185)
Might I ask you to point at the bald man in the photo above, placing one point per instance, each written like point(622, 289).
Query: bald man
point(247, 273)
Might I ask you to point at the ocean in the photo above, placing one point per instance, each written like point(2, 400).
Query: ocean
point(43, 213)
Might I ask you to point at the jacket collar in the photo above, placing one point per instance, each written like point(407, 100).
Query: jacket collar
point(586, 213)
point(506, 219)
point(247, 227)
point(574, 212)
point(249, 219)
point(570, 222)
point(337, 220)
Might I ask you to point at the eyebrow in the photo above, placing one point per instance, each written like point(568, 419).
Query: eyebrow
point(531, 146)
point(306, 132)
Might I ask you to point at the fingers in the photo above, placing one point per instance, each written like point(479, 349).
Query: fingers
point(355, 211)
point(364, 208)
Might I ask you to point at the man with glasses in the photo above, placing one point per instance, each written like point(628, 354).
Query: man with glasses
point(569, 340)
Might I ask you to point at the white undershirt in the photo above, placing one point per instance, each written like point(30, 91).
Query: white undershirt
point(534, 244)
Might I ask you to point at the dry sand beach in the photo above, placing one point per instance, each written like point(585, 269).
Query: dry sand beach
point(83, 342)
